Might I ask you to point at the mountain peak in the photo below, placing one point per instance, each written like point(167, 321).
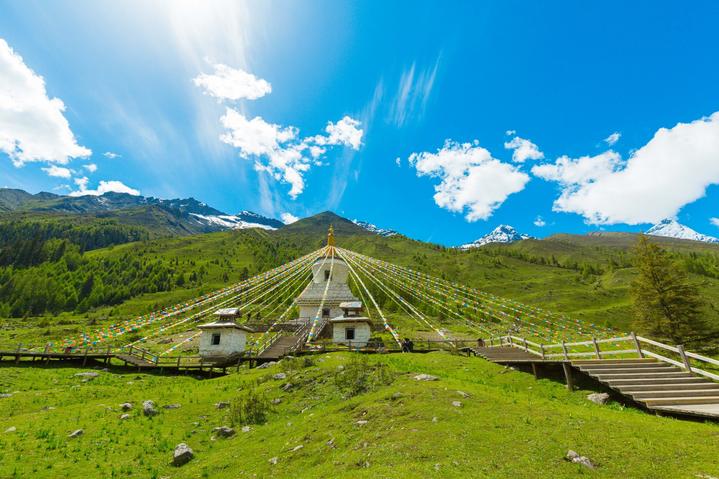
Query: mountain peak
point(500, 234)
point(671, 228)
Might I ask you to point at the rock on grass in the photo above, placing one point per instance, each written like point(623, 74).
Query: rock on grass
point(574, 457)
point(599, 398)
point(425, 377)
point(76, 433)
point(149, 409)
point(182, 455)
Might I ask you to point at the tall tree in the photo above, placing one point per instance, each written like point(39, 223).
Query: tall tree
point(666, 304)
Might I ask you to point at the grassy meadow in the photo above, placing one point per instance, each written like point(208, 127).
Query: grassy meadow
point(348, 424)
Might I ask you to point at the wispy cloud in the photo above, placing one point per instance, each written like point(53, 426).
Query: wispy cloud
point(413, 93)
point(613, 138)
point(111, 155)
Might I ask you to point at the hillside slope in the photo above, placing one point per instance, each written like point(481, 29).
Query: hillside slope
point(507, 425)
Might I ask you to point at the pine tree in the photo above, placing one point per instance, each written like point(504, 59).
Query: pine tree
point(666, 305)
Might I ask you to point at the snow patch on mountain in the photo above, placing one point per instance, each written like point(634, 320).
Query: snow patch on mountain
point(232, 222)
point(670, 228)
point(500, 234)
point(375, 229)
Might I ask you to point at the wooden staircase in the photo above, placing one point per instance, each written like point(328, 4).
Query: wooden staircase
point(655, 385)
point(282, 346)
point(505, 354)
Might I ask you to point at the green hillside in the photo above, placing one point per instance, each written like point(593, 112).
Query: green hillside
point(587, 277)
point(340, 418)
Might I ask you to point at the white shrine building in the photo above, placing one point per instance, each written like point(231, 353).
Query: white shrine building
point(351, 328)
point(224, 337)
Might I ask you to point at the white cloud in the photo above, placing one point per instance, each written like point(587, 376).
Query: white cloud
point(613, 138)
point(510, 132)
point(471, 179)
point(673, 169)
point(579, 171)
point(228, 83)
point(344, 132)
point(413, 93)
point(288, 218)
point(32, 125)
point(91, 167)
point(714, 221)
point(523, 150)
point(539, 222)
point(398, 161)
point(111, 155)
point(279, 150)
point(102, 188)
point(58, 171)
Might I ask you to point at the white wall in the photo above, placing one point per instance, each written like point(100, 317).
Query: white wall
point(362, 333)
point(232, 341)
point(340, 271)
point(309, 312)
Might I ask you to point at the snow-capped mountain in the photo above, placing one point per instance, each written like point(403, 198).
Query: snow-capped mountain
point(242, 220)
point(500, 234)
point(375, 229)
point(673, 229)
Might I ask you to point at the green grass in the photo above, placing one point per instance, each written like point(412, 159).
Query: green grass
point(511, 426)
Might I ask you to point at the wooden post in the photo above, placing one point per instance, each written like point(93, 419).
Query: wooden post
point(84, 358)
point(564, 349)
point(17, 353)
point(636, 344)
point(107, 356)
point(534, 370)
point(526, 346)
point(178, 362)
point(684, 357)
point(596, 348)
point(541, 348)
point(491, 342)
point(47, 351)
point(509, 339)
point(568, 376)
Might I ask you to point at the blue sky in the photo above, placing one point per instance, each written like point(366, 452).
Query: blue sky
point(438, 119)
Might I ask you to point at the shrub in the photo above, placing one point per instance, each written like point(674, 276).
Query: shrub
point(359, 376)
point(250, 407)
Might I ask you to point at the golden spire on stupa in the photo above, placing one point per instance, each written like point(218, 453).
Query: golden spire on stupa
point(331, 237)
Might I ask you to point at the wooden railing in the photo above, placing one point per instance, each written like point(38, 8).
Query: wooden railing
point(631, 345)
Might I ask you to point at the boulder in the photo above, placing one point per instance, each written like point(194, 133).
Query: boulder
point(286, 386)
point(222, 405)
point(575, 458)
point(224, 431)
point(425, 377)
point(456, 404)
point(599, 398)
point(276, 401)
point(88, 374)
point(279, 376)
point(273, 460)
point(463, 394)
point(149, 409)
point(126, 406)
point(362, 422)
point(182, 455)
point(124, 417)
point(76, 433)
point(171, 406)
point(245, 429)
point(266, 365)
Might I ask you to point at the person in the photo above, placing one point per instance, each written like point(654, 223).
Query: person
point(480, 343)
point(405, 345)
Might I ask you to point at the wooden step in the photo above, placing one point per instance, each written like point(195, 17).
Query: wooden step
point(648, 395)
point(629, 389)
point(644, 381)
point(582, 362)
point(614, 376)
point(622, 365)
point(674, 401)
point(654, 369)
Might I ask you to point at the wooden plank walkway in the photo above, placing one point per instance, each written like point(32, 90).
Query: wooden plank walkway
point(655, 385)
